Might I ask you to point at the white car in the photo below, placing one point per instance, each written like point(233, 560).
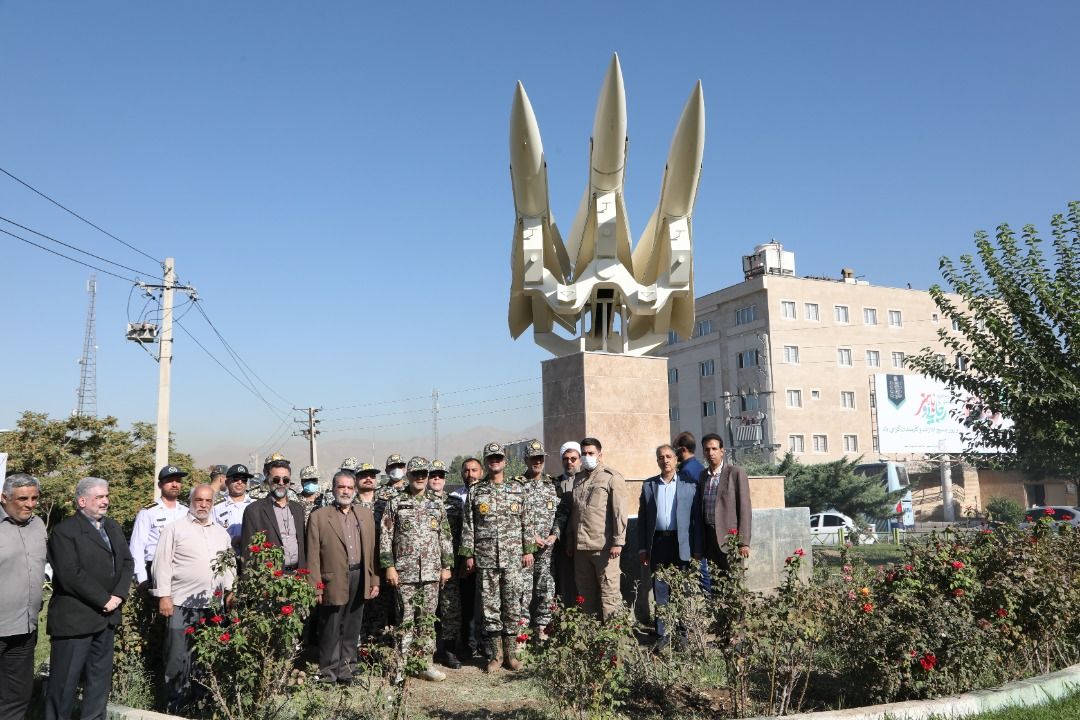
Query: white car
point(825, 529)
point(1060, 514)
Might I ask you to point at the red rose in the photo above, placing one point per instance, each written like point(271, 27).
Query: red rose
point(286, 609)
point(553, 607)
point(957, 565)
point(1027, 518)
point(1002, 612)
point(202, 621)
point(364, 653)
point(303, 571)
point(909, 568)
point(320, 585)
point(550, 628)
point(580, 599)
point(269, 564)
point(614, 660)
point(1049, 511)
point(189, 630)
point(800, 552)
point(268, 544)
point(788, 559)
point(216, 619)
point(958, 592)
point(522, 621)
point(928, 661)
point(254, 548)
point(279, 573)
point(217, 593)
point(523, 637)
point(733, 531)
point(867, 608)
point(224, 637)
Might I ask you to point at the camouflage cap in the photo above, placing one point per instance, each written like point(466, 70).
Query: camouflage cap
point(493, 448)
point(309, 473)
point(417, 464)
point(395, 459)
point(534, 448)
point(350, 464)
point(367, 468)
point(438, 466)
point(218, 470)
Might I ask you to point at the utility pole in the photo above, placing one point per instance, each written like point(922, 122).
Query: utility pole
point(435, 423)
point(310, 433)
point(945, 470)
point(161, 449)
point(87, 406)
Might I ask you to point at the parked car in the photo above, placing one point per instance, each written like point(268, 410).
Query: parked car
point(1060, 514)
point(825, 529)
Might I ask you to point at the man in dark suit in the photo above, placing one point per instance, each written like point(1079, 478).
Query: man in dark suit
point(724, 500)
point(668, 530)
point(92, 570)
point(280, 519)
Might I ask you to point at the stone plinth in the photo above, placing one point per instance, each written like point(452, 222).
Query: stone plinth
point(766, 491)
point(777, 533)
point(621, 400)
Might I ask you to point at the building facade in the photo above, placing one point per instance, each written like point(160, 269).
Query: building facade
point(780, 362)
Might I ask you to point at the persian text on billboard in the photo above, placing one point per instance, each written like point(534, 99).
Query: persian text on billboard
point(918, 414)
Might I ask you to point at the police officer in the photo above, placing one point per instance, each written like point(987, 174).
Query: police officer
point(229, 513)
point(497, 541)
point(152, 518)
point(416, 553)
point(542, 503)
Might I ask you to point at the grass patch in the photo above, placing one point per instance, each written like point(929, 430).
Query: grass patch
point(875, 555)
point(1067, 708)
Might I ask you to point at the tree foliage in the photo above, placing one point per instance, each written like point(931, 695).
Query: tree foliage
point(833, 486)
point(1018, 324)
point(61, 452)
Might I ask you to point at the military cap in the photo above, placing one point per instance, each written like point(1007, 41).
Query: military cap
point(350, 464)
point(276, 460)
point(395, 459)
point(239, 471)
point(218, 470)
point(438, 466)
point(257, 479)
point(534, 448)
point(169, 472)
point(367, 468)
point(309, 473)
point(493, 448)
point(417, 464)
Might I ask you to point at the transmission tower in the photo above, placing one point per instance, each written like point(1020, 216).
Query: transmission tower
point(88, 362)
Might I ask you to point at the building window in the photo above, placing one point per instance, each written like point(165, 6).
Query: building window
point(672, 376)
point(747, 358)
point(933, 317)
point(672, 337)
point(796, 444)
point(956, 325)
point(851, 443)
point(703, 327)
point(962, 363)
point(821, 443)
point(898, 359)
point(811, 312)
point(895, 319)
point(746, 315)
point(815, 394)
point(875, 443)
point(673, 413)
point(840, 314)
point(708, 367)
point(791, 354)
point(873, 358)
point(940, 357)
point(869, 316)
point(847, 399)
point(843, 357)
point(794, 398)
point(749, 403)
point(708, 408)
point(787, 309)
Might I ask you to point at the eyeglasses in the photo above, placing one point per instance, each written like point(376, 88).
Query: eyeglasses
point(239, 478)
point(437, 475)
point(280, 481)
point(368, 476)
point(418, 475)
point(496, 458)
point(535, 459)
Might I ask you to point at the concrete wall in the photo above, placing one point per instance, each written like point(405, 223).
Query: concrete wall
point(767, 491)
point(1013, 485)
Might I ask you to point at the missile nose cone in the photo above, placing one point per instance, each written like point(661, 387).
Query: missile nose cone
point(684, 157)
point(526, 157)
point(609, 130)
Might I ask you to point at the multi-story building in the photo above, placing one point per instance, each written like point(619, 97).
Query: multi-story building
point(780, 362)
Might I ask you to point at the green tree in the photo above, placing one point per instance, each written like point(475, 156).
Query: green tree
point(61, 452)
point(1017, 323)
point(835, 486)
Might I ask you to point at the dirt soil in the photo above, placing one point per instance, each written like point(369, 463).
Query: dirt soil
point(472, 693)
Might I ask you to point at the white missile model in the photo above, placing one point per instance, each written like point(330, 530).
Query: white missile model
point(594, 278)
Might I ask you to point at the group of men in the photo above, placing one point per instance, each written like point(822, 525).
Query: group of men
point(487, 559)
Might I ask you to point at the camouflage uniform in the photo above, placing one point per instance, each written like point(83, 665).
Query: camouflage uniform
point(416, 541)
point(450, 596)
point(538, 584)
point(496, 531)
point(383, 611)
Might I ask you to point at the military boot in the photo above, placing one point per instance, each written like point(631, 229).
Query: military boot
point(494, 656)
point(448, 655)
point(510, 661)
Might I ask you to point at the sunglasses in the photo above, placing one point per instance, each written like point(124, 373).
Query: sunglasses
point(280, 481)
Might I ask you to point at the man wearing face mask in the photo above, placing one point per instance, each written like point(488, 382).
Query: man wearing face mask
point(597, 532)
point(385, 611)
point(341, 541)
point(310, 497)
point(542, 502)
point(280, 519)
point(562, 566)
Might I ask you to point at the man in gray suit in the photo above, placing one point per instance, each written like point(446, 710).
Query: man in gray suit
point(724, 500)
point(668, 528)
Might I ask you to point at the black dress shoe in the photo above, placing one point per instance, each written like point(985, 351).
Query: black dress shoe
point(661, 644)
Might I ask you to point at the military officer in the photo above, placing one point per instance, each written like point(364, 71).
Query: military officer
point(152, 518)
point(384, 611)
point(367, 480)
point(449, 612)
point(416, 553)
point(219, 482)
point(542, 504)
point(260, 488)
point(395, 472)
point(310, 496)
point(497, 540)
point(229, 513)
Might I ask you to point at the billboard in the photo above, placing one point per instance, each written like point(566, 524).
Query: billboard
point(919, 414)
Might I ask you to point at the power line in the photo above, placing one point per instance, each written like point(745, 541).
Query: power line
point(76, 249)
point(428, 396)
point(428, 409)
point(72, 212)
point(419, 422)
point(66, 257)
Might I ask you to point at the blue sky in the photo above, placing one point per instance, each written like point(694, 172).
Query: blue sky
point(333, 178)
